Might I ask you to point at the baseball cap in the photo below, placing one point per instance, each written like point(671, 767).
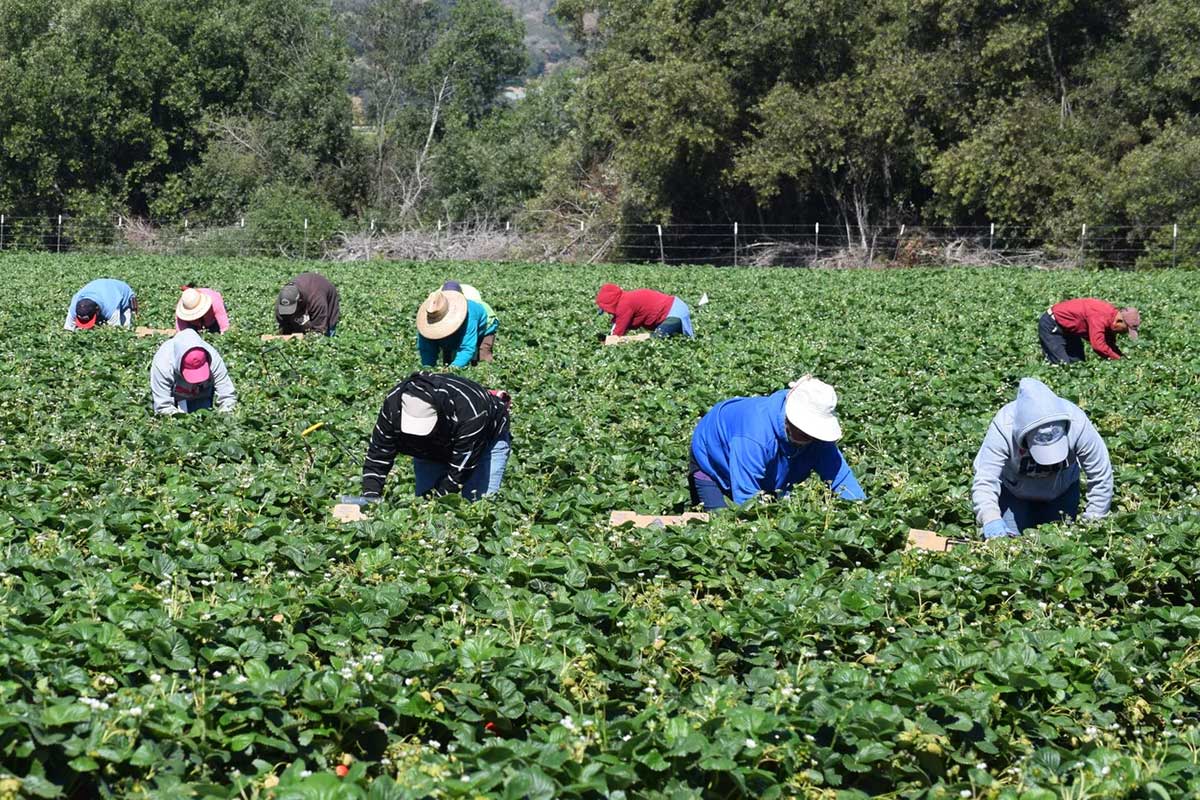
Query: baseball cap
point(1133, 319)
point(87, 314)
point(194, 365)
point(1048, 443)
point(417, 417)
point(810, 406)
point(288, 302)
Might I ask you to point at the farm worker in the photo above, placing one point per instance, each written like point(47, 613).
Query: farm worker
point(104, 301)
point(645, 308)
point(453, 328)
point(748, 445)
point(1027, 470)
point(1064, 325)
point(202, 310)
point(187, 375)
point(308, 303)
point(455, 430)
point(487, 344)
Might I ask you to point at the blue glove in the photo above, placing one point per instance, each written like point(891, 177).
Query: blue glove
point(994, 529)
point(357, 500)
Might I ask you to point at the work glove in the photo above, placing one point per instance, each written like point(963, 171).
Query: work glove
point(995, 529)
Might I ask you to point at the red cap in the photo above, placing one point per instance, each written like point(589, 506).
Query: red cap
point(194, 365)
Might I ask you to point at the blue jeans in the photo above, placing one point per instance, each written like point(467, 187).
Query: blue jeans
point(678, 321)
point(1019, 514)
point(483, 480)
point(704, 489)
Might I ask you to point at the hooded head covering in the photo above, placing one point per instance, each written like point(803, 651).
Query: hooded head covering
point(608, 297)
point(1041, 421)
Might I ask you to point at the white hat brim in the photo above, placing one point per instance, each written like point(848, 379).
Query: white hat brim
point(822, 427)
point(1049, 454)
point(456, 314)
point(193, 314)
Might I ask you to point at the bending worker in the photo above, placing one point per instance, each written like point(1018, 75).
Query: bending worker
point(454, 328)
point(749, 445)
point(645, 308)
point(455, 430)
point(202, 310)
point(308, 303)
point(1064, 326)
point(104, 301)
point(1027, 471)
point(187, 375)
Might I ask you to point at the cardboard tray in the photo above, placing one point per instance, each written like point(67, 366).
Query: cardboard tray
point(633, 337)
point(654, 520)
point(928, 540)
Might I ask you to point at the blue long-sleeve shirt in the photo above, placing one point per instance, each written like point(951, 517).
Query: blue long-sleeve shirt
point(114, 297)
point(742, 445)
point(461, 347)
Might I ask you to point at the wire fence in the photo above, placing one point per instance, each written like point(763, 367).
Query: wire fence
point(557, 239)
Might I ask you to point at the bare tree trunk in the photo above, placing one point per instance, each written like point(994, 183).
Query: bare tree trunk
point(412, 188)
point(1065, 108)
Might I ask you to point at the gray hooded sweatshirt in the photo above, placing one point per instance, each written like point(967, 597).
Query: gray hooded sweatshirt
point(1004, 459)
point(171, 394)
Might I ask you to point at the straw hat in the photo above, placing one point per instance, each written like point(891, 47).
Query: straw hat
point(441, 314)
point(811, 406)
point(193, 304)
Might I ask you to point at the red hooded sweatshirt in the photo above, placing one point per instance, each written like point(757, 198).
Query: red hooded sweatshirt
point(637, 308)
point(1091, 319)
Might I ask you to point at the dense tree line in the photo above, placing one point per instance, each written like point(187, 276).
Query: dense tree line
point(1047, 113)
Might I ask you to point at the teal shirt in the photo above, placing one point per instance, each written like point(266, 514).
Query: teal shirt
point(460, 348)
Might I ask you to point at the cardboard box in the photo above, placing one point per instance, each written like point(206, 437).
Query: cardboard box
point(928, 540)
point(654, 520)
point(633, 337)
point(348, 512)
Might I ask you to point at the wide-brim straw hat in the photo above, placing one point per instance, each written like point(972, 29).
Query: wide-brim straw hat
point(441, 314)
point(193, 304)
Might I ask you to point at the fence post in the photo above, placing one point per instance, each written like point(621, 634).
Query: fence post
point(1174, 242)
point(662, 256)
point(1082, 243)
point(1, 231)
point(816, 241)
point(992, 237)
point(735, 244)
point(305, 252)
point(899, 241)
point(58, 242)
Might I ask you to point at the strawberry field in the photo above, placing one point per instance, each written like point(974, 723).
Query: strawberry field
point(183, 618)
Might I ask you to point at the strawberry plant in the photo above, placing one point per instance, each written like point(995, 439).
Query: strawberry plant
point(183, 617)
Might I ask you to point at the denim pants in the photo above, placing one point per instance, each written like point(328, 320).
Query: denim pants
point(483, 480)
point(704, 489)
point(1019, 514)
point(678, 321)
point(1058, 346)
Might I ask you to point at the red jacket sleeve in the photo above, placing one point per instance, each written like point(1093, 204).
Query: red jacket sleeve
point(623, 317)
point(1098, 322)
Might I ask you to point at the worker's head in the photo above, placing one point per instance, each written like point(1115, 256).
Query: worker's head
point(810, 412)
point(608, 297)
point(194, 365)
point(87, 314)
point(288, 302)
point(1128, 321)
point(1048, 444)
point(442, 314)
point(418, 417)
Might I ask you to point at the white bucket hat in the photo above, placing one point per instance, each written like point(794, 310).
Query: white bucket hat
point(811, 406)
point(193, 304)
point(417, 417)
